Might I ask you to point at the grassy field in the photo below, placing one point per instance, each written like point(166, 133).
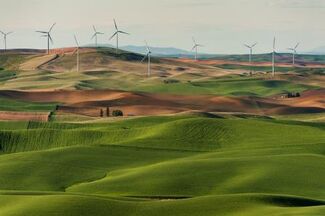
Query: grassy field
point(14, 105)
point(280, 58)
point(180, 165)
point(230, 86)
point(235, 86)
point(299, 70)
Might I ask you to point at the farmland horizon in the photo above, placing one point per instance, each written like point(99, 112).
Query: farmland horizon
point(227, 26)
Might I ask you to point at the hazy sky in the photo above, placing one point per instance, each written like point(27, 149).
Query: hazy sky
point(221, 25)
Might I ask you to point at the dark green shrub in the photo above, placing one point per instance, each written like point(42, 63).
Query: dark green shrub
point(117, 113)
point(171, 81)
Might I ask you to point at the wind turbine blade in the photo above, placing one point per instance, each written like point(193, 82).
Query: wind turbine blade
point(94, 36)
point(2, 32)
point(94, 29)
point(43, 32)
point(194, 47)
point(274, 43)
point(52, 27)
point(145, 57)
point(194, 40)
point(254, 45)
point(74, 52)
point(76, 40)
point(297, 45)
point(50, 39)
point(113, 36)
point(101, 33)
point(122, 32)
point(115, 24)
point(247, 46)
point(200, 45)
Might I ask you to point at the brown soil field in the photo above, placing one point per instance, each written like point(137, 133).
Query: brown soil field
point(90, 103)
point(37, 62)
point(23, 116)
point(312, 98)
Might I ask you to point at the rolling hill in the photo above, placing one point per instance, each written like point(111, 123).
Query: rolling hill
point(163, 165)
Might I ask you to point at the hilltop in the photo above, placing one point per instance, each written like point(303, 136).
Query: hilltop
point(176, 85)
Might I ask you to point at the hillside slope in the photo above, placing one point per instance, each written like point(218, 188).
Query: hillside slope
point(179, 165)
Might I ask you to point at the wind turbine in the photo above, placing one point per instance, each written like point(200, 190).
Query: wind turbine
point(5, 38)
point(250, 47)
point(49, 37)
point(116, 34)
point(77, 50)
point(195, 47)
point(250, 51)
point(96, 34)
point(294, 53)
point(148, 55)
point(273, 57)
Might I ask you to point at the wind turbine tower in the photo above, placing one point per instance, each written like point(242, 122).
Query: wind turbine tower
point(195, 47)
point(47, 34)
point(95, 35)
point(116, 34)
point(148, 56)
point(273, 58)
point(294, 53)
point(77, 50)
point(5, 38)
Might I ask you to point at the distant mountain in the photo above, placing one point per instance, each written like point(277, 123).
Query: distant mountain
point(158, 51)
point(98, 45)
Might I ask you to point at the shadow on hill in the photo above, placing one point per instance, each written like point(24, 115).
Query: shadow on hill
point(123, 55)
point(287, 201)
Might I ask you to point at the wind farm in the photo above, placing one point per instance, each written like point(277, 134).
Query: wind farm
point(93, 125)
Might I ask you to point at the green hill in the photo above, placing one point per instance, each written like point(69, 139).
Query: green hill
point(266, 57)
point(180, 165)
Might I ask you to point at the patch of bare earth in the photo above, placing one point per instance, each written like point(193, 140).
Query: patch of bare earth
point(24, 116)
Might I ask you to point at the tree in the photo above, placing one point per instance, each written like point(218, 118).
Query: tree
point(117, 113)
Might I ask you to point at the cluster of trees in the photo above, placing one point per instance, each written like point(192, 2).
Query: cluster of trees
point(115, 113)
point(293, 95)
